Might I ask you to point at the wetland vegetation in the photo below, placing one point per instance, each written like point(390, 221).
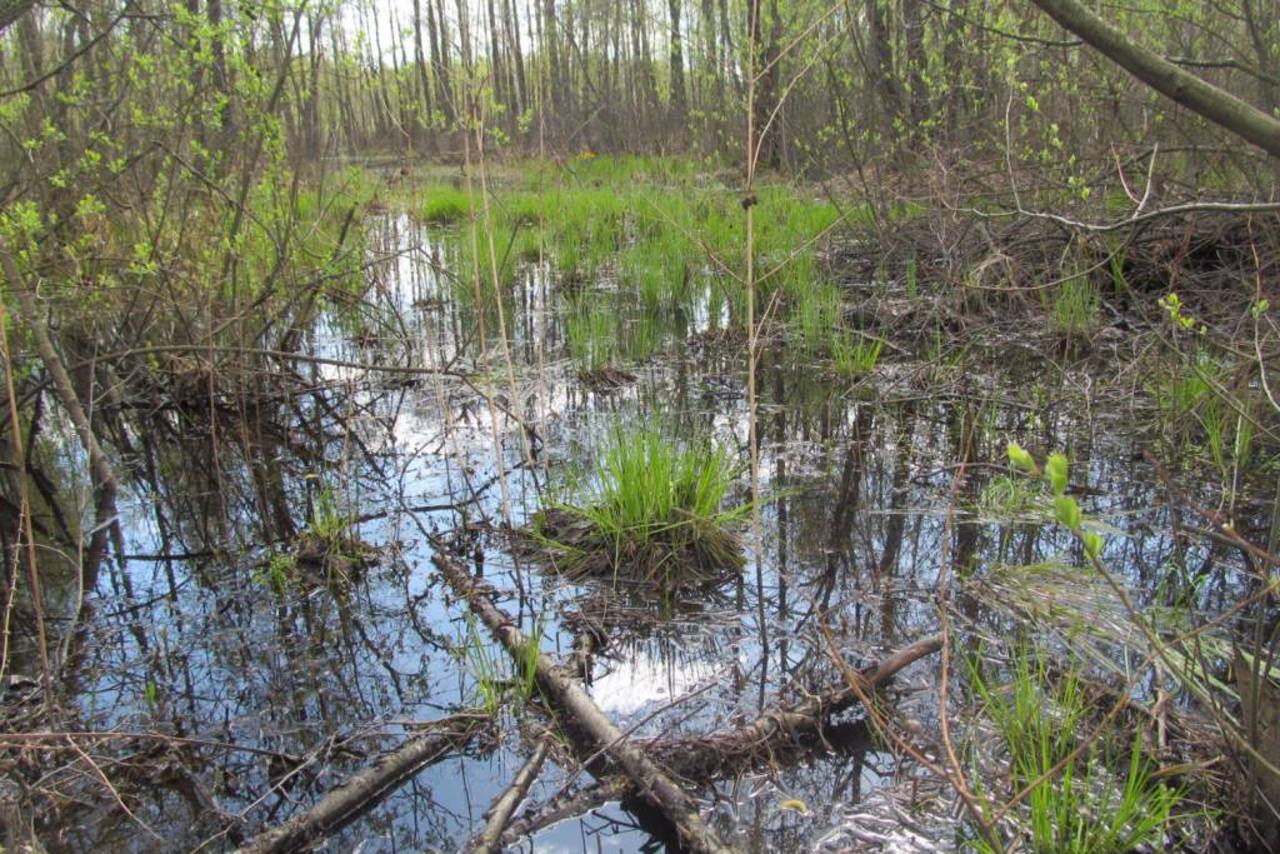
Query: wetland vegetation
point(746, 425)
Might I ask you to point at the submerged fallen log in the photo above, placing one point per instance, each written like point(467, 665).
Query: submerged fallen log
point(774, 732)
point(565, 806)
point(370, 786)
point(781, 727)
point(652, 782)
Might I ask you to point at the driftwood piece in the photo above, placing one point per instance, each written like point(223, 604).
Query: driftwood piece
point(504, 806)
point(369, 787)
point(559, 686)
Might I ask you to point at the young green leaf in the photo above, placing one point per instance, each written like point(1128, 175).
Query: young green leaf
point(1019, 458)
point(1092, 545)
point(1055, 470)
point(1067, 511)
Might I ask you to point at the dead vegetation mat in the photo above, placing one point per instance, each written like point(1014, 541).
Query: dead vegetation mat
point(686, 553)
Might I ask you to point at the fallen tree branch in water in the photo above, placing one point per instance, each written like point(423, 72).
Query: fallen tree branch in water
point(504, 806)
point(370, 786)
point(559, 686)
point(777, 728)
point(775, 731)
point(567, 805)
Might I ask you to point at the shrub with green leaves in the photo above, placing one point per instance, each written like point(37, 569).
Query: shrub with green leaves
point(1065, 509)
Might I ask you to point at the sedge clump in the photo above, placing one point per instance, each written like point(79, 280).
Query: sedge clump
point(653, 514)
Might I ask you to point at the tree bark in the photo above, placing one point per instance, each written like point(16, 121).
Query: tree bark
point(1222, 108)
point(736, 749)
point(420, 59)
point(551, 44)
point(504, 806)
point(438, 33)
point(1264, 32)
point(880, 58)
point(732, 751)
point(497, 64)
point(918, 94)
point(957, 99)
point(512, 24)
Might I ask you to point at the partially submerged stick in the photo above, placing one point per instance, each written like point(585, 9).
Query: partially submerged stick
point(775, 727)
point(652, 782)
point(567, 805)
point(489, 841)
point(370, 786)
point(730, 751)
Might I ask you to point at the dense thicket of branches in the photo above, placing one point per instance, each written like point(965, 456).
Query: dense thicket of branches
point(838, 81)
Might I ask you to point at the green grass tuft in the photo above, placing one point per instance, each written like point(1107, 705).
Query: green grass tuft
point(1076, 308)
point(653, 513)
point(445, 205)
point(1100, 801)
point(855, 356)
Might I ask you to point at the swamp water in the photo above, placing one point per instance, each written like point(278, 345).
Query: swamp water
point(279, 678)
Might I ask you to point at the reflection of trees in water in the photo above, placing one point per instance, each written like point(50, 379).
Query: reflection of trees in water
point(279, 686)
point(193, 642)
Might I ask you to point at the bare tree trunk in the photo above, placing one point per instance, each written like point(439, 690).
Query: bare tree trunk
point(461, 7)
point(12, 10)
point(342, 805)
point(1264, 32)
point(918, 96)
point(679, 99)
point(311, 105)
point(726, 45)
point(880, 58)
point(489, 840)
point(497, 68)
point(639, 73)
point(551, 45)
point(649, 85)
point(714, 99)
point(767, 108)
point(512, 22)
point(351, 124)
point(438, 32)
point(420, 59)
point(405, 85)
point(221, 76)
point(957, 100)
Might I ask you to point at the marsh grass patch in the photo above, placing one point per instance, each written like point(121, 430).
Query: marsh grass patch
point(652, 513)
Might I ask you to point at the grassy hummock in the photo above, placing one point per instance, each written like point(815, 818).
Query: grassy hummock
point(444, 205)
point(652, 515)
